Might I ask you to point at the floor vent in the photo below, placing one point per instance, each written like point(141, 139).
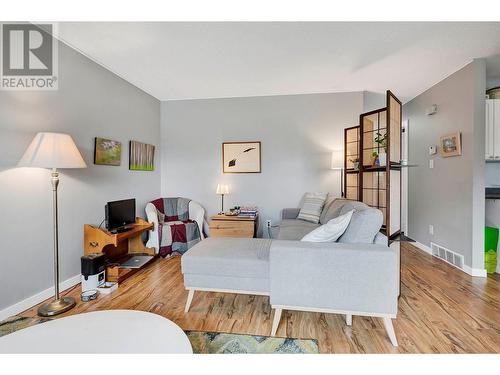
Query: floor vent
point(448, 256)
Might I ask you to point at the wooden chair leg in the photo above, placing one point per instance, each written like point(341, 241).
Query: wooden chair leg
point(189, 300)
point(390, 331)
point(348, 319)
point(276, 321)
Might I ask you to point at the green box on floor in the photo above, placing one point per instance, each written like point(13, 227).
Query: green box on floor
point(490, 249)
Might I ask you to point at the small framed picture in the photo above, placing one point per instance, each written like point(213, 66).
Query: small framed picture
point(141, 156)
point(241, 157)
point(107, 152)
point(451, 145)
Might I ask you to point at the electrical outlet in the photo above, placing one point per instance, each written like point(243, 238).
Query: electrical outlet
point(268, 223)
point(431, 163)
point(431, 229)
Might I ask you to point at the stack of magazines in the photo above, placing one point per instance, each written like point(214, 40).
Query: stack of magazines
point(250, 212)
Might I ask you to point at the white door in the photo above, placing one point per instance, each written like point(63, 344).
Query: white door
point(489, 134)
point(496, 128)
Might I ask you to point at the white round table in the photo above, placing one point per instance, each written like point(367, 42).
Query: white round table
point(109, 331)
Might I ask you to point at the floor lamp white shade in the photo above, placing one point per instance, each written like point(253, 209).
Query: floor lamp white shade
point(53, 150)
point(337, 163)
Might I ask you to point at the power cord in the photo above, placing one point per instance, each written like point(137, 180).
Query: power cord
point(269, 233)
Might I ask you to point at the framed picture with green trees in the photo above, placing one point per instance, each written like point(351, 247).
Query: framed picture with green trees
point(141, 156)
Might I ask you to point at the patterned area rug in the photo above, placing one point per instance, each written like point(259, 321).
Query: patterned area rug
point(230, 343)
point(206, 342)
point(15, 323)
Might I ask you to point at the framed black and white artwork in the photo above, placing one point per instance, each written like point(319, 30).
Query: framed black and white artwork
point(241, 157)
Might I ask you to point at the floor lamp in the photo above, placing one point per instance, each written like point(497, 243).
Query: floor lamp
point(53, 150)
point(337, 163)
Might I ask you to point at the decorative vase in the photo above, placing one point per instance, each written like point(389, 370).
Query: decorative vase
point(355, 165)
point(382, 159)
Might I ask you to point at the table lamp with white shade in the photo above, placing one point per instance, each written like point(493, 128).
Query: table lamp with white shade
point(55, 151)
point(337, 163)
point(222, 190)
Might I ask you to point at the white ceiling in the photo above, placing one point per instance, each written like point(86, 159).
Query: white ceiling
point(211, 60)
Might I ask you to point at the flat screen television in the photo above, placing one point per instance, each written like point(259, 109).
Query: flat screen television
point(119, 214)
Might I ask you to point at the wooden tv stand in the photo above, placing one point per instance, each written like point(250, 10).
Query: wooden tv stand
point(118, 247)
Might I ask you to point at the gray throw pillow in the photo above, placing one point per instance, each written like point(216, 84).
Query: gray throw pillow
point(333, 209)
point(364, 226)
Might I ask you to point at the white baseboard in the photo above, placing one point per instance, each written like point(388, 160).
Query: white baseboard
point(29, 302)
point(476, 272)
point(423, 247)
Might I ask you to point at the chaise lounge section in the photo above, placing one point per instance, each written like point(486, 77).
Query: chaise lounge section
point(340, 278)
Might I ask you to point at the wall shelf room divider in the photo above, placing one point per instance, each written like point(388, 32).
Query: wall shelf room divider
point(376, 145)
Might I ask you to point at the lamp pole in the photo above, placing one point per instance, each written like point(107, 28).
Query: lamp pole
point(58, 305)
point(342, 193)
point(55, 183)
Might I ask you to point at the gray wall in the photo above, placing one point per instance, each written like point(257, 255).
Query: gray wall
point(298, 133)
point(91, 101)
point(373, 100)
point(450, 196)
point(492, 82)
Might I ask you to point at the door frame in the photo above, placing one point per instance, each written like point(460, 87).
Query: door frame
point(404, 177)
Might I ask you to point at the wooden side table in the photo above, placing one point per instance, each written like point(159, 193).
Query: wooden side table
point(232, 226)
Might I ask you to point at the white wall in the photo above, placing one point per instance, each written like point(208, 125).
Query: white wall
point(492, 174)
point(298, 133)
point(450, 196)
point(91, 101)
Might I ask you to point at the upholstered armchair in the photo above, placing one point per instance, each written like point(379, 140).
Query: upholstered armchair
point(179, 223)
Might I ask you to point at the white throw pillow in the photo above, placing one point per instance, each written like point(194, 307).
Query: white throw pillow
point(331, 231)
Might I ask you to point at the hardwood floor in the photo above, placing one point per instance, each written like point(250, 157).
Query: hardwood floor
point(441, 310)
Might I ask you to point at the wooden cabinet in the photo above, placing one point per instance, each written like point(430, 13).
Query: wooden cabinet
point(492, 131)
point(232, 226)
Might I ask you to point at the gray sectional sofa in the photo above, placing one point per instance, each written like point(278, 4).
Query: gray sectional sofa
point(358, 275)
point(364, 226)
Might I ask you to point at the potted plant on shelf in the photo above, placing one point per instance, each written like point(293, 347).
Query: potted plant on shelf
point(381, 155)
point(375, 159)
point(355, 163)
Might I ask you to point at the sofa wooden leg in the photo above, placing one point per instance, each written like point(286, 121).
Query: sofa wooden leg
point(276, 321)
point(348, 319)
point(189, 300)
point(390, 331)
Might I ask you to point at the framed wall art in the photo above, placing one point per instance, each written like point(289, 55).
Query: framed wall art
point(141, 156)
point(107, 152)
point(241, 157)
point(451, 145)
